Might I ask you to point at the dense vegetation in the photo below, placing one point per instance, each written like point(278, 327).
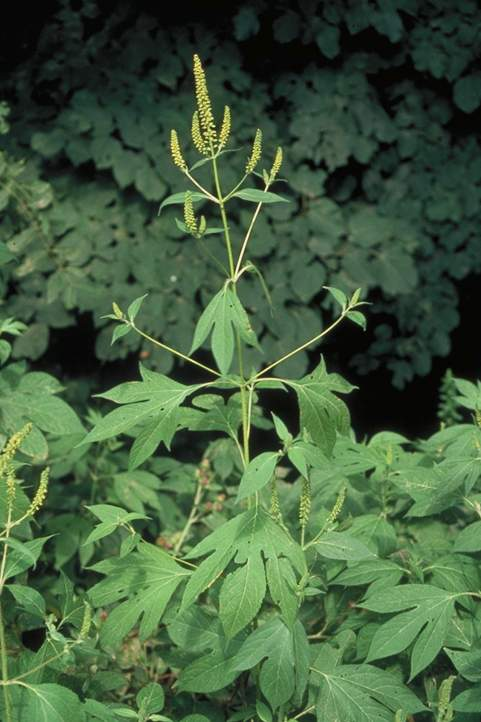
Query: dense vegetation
point(178, 552)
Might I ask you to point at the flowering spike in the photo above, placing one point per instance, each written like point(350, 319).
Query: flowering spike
point(189, 216)
point(255, 153)
point(197, 138)
point(10, 448)
point(305, 503)
point(86, 622)
point(176, 152)
point(40, 494)
point(337, 508)
point(204, 106)
point(225, 129)
point(276, 166)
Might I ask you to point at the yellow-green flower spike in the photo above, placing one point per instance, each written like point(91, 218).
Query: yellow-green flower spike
point(255, 153)
point(10, 448)
point(40, 495)
point(117, 311)
point(225, 129)
point(197, 138)
point(189, 216)
point(275, 510)
point(204, 106)
point(11, 483)
point(305, 503)
point(86, 622)
point(176, 152)
point(337, 508)
point(276, 166)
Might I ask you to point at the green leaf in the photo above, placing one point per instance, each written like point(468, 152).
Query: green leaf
point(50, 703)
point(358, 692)
point(179, 198)
point(322, 413)
point(150, 699)
point(244, 537)
point(340, 296)
point(155, 396)
point(431, 610)
point(111, 518)
point(28, 598)
point(53, 415)
point(282, 585)
point(121, 330)
point(134, 307)
point(339, 545)
point(468, 664)
point(146, 578)
point(242, 594)
point(468, 701)
point(222, 315)
point(257, 196)
point(272, 642)
point(257, 474)
point(19, 560)
point(358, 318)
point(469, 538)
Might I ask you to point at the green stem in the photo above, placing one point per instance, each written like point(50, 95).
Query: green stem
point(247, 236)
point(192, 518)
point(301, 347)
point(223, 216)
point(201, 188)
point(175, 352)
point(5, 680)
point(240, 356)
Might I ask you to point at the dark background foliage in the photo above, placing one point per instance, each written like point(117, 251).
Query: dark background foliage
point(377, 107)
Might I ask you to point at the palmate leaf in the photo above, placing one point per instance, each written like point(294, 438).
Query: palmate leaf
point(283, 651)
point(146, 579)
point(198, 630)
point(249, 539)
point(426, 612)
point(155, 400)
point(223, 316)
point(322, 413)
point(357, 692)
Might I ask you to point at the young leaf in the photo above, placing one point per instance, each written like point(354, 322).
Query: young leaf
point(134, 307)
point(222, 315)
point(358, 318)
point(120, 331)
point(257, 474)
point(340, 297)
point(322, 413)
